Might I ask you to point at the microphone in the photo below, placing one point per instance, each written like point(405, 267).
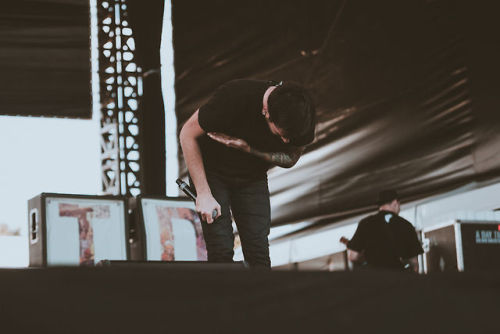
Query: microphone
point(189, 192)
point(186, 189)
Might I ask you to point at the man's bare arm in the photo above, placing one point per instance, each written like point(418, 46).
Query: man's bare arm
point(205, 202)
point(282, 159)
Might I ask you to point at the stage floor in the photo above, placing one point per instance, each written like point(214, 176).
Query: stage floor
point(169, 300)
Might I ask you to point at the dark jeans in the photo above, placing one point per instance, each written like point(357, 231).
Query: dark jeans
point(248, 201)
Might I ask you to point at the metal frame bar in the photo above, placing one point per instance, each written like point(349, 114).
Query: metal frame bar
point(120, 92)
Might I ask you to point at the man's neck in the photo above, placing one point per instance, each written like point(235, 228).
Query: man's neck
point(387, 209)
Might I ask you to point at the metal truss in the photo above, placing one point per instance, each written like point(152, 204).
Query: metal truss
point(120, 91)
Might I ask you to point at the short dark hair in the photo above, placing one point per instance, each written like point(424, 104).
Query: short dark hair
point(387, 196)
point(291, 108)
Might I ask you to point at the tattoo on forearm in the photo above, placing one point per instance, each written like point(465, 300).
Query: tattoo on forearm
point(282, 159)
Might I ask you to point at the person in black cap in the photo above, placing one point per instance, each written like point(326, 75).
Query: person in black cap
point(229, 143)
point(385, 240)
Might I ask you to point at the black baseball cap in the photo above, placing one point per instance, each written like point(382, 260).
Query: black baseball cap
point(387, 196)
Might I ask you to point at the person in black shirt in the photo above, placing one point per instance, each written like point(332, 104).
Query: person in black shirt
point(229, 143)
point(385, 240)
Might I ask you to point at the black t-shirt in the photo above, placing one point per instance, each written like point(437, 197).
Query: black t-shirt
point(235, 109)
point(385, 238)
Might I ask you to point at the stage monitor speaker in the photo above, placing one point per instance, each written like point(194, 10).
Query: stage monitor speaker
point(463, 246)
point(169, 229)
point(72, 230)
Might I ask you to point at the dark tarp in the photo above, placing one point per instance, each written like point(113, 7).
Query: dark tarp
point(406, 91)
point(45, 58)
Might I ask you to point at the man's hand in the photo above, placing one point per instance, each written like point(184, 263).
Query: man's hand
point(205, 205)
point(356, 257)
point(414, 264)
point(229, 141)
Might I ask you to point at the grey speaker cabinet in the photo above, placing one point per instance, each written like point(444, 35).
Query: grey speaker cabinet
point(73, 230)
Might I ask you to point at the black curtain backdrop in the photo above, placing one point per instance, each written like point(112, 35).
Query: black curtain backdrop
point(146, 20)
point(406, 92)
point(45, 58)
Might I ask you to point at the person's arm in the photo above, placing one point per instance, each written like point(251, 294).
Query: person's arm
point(356, 246)
point(356, 257)
point(352, 255)
point(286, 159)
point(413, 247)
point(282, 159)
point(205, 202)
point(413, 261)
